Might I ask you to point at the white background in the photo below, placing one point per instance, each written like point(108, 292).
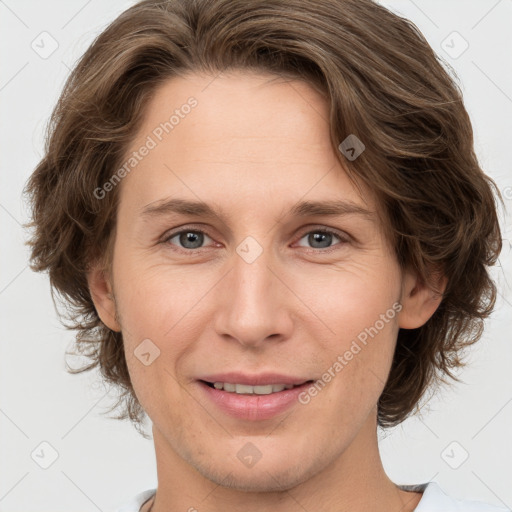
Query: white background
point(103, 462)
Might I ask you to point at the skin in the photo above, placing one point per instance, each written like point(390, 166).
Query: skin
point(255, 146)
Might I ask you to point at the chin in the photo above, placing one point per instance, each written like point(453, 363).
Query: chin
point(265, 476)
point(261, 481)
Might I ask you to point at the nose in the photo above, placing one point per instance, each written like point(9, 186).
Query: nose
point(254, 303)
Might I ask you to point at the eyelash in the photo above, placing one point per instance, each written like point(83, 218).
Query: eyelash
point(343, 237)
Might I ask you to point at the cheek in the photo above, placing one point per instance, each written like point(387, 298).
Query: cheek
point(359, 310)
point(160, 312)
point(351, 297)
point(153, 299)
point(354, 376)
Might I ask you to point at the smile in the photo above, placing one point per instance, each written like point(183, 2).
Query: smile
point(245, 389)
point(251, 402)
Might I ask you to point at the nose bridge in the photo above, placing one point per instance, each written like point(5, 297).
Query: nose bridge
point(253, 307)
point(251, 270)
point(252, 279)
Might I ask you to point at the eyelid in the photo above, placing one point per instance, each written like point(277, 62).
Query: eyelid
point(188, 227)
point(325, 229)
point(343, 236)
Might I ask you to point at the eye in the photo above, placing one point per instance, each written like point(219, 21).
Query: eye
point(189, 239)
point(323, 238)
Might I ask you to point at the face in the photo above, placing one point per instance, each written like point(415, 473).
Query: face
point(266, 289)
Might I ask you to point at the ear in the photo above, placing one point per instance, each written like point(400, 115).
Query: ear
point(419, 300)
point(102, 296)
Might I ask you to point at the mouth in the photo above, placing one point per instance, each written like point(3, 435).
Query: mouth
point(262, 401)
point(246, 389)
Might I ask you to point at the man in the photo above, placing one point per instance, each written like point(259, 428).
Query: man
point(266, 213)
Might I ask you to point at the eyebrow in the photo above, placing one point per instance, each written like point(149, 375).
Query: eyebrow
point(330, 208)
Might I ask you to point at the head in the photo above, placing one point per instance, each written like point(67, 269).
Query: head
point(254, 116)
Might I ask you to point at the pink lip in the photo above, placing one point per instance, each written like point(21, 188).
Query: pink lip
point(261, 379)
point(252, 407)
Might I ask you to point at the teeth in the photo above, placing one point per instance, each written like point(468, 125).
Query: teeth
point(244, 389)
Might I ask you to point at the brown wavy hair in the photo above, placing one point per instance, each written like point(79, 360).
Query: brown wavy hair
point(382, 81)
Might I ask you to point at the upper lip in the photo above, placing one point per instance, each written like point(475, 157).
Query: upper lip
point(261, 379)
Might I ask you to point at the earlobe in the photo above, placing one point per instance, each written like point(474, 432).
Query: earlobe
point(103, 298)
point(419, 301)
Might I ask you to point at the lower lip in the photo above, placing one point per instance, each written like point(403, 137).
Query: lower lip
point(253, 407)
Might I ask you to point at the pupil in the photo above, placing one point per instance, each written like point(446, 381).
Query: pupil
point(319, 237)
point(188, 237)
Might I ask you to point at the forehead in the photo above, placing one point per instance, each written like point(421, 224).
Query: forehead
point(256, 135)
point(236, 109)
